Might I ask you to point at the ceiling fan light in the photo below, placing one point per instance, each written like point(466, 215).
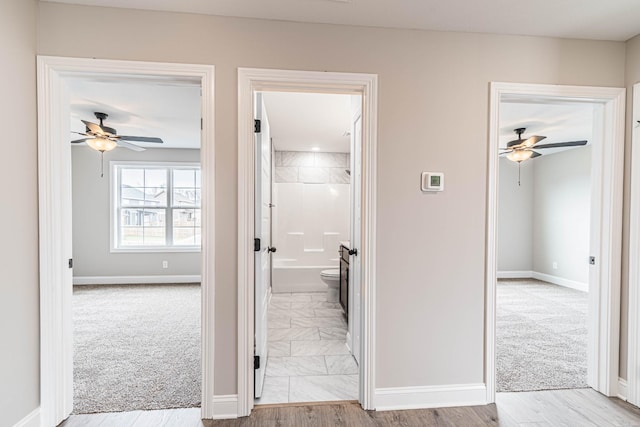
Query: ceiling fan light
point(102, 144)
point(519, 155)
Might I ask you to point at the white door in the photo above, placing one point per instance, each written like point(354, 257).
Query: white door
point(355, 239)
point(263, 245)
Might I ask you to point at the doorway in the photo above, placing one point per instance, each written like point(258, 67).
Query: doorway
point(250, 82)
point(306, 300)
point(55, 216)
point(605, 223)
point(543, 245)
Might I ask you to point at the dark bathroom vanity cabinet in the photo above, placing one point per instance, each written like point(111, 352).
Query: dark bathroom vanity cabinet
point(344, 279)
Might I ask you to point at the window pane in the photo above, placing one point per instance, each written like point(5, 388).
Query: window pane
point(132, 196)
point(154, 217)
point(198, 236)
point(132, 177)
point(186, 197)
point(198, 179)
point(184, 236)
point(155, 178)
point(198, 214)
point(184, 218)
point(131, 236)
point(154, 236)
point(184, 178)
point(155, 196)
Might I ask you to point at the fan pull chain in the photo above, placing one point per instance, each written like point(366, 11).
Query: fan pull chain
point(102, 164)
point(519, 174)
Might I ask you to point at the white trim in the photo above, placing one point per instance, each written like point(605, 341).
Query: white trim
point(397, 398)
point(225, 407)
point(633, 341)
point(54, 184)
point(604, 331)
point(31, 420)
point(135, 280)
point(561, 281)
point(249, 81)
point(513, 274)
point(622, 389)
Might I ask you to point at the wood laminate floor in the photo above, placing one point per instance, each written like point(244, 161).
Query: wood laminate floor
point(573, 408)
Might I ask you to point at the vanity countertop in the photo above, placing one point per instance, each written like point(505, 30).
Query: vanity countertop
point(346, 244)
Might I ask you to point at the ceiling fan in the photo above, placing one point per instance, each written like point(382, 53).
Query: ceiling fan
point(103, 138)
point(520, 149)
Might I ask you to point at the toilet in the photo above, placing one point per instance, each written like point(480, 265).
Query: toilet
point(332, 279)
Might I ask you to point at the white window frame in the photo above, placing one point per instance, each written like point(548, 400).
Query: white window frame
point(114, 208)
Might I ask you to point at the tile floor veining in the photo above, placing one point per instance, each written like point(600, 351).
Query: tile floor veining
point(308, 359)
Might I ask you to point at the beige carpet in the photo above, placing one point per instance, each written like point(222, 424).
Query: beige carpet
point(136, 347)
point(541, 341)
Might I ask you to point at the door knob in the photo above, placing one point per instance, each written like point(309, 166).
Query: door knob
point(271, 249)
point(353, 252)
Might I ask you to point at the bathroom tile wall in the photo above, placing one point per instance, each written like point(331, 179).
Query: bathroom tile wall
point(311, 168)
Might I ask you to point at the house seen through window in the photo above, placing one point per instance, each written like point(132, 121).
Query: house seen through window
point(156, 206)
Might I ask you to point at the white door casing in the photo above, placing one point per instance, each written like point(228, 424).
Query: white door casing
point(263, 232)
point(54, 187)
point(607, 167)
point(250, 81)
point(633, 362)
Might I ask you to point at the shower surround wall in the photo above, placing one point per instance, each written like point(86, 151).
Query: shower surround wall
point(310, 218)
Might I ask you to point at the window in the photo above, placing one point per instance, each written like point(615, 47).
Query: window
point(156, 207)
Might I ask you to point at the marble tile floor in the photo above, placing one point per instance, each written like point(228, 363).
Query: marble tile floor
point(308, 359)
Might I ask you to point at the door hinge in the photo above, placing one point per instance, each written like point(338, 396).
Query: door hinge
point(256, 362)
point(256, 245)
point(201, 123)
point(70, 262)
point(592, 260)
point(257, 128)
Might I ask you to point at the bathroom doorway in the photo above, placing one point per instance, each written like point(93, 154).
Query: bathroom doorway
point(307, 179)
point(362, 265)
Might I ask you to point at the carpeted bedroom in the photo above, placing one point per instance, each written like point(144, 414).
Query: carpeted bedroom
point(541, 336)
point(136, 347)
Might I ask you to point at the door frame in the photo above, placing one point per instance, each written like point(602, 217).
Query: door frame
point(54, 188)
point(249, 81)
point(633, 341)
point(604, 330)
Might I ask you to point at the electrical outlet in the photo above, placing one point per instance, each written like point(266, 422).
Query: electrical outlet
point(555, 265)
point(165, 264)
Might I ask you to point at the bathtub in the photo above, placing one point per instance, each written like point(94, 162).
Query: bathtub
point(295, 278)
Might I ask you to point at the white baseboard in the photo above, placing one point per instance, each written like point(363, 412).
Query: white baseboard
point(128, 280)
point(225, 407)
point(388, 399)
point(622, 389)
point(584, 287)
point(514, 274)
point(31, 420)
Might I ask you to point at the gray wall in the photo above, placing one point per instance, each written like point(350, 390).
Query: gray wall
point(91, 228)
point(515, 216)
point(561, 214)
point(19, 321)
point(430, 83)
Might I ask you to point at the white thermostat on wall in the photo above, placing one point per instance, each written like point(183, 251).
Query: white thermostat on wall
point(432, 181)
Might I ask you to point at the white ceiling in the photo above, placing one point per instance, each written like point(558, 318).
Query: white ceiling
point(302, 121)
point(167, 110)
point(583, 19)
point(559, 122)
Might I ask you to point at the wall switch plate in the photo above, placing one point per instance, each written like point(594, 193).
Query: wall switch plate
point(165, 264)
point(432, 181)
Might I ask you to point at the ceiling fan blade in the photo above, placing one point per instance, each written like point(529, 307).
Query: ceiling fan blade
point(531, 141)
point(561, 144)
point(77, 141)
point(514, 143)
point(535, 154)
point(93, 127)
point(133, 147)
point(141, 139)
